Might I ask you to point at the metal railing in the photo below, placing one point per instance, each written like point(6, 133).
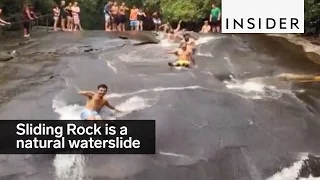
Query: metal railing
point(17, 24)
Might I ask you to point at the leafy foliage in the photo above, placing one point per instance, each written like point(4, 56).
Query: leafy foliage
point(172, 10)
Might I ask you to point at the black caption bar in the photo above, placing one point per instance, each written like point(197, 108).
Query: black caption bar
point(77, 137)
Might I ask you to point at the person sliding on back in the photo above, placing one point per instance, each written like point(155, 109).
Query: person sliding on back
point(184, 56)
point(95, 102)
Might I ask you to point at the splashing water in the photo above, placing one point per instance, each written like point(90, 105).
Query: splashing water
point(158, 89)
point(69, 166)
point(203, 40)
point(204, 54)
point(291, 173)
point(72, 112)
point(253, 90)
point(135, 103)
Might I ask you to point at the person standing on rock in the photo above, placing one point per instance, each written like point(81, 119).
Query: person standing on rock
point(75, 14)
point(3, 22)
point(156, 20)
point(134, 18)
point(27, 16)
point(63, 15)
point(215, 18)
point(69, 17)
point(122, 17)
point(107, 16)
point(141, 17)
point(115, 16)
point(56, 15)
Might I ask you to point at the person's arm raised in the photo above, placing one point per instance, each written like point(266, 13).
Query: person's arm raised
point(178, 27)
point(89, 94)
point(172, 52)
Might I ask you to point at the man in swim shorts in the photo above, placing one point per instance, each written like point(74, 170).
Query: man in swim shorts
point(95, 102)
point(191, 45)
point(184, 56)
point(107, 16)
point(115, 16)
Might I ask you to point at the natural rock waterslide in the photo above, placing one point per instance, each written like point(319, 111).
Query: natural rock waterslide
point(230, 118)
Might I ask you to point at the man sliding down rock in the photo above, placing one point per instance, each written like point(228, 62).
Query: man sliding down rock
point(184, 56)
point(95, 102)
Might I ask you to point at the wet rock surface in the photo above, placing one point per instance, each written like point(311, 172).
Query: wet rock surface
point(225, 136)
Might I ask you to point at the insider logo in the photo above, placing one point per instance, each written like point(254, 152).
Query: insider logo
point(252, 16)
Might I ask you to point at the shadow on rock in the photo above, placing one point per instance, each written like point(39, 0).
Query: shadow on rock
point(143, 37)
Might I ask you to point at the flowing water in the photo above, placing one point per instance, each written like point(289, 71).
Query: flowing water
point(226, 119)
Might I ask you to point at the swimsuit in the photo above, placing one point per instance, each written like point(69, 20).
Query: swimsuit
point(76, 19)
point(86, 113)
point(56, 15)
point(183, 63)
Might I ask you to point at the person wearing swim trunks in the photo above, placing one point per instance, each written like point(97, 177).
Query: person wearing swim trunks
point(107, 15)
point(184, 56)
point(122, 16)
point(134, 18)
point(115, 16)
point(191, 45)
point(95, 102)
point(215, 18)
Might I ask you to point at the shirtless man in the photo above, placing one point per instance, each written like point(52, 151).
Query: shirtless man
point(184, 56)
point(95, 102)
point(122, 17)
point(191, 45)
point(115, 16)
point(206, 27)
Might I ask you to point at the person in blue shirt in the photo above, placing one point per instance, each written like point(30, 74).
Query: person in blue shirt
point(107, 15)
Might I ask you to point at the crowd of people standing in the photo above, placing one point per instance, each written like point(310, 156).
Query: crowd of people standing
point(67, 15)
point(68, 18)
point(116, 19)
